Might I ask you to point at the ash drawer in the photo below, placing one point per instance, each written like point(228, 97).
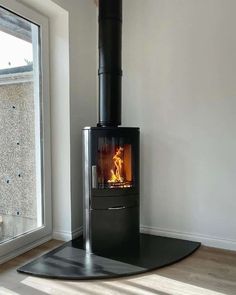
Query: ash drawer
point(114, 202)
point(114, 230)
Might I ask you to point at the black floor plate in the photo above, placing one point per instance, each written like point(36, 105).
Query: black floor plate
point(71, 262)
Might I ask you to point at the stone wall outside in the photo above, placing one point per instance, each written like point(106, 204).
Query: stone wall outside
point(17, 150)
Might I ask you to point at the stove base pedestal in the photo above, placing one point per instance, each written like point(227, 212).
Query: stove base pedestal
point(71, 262)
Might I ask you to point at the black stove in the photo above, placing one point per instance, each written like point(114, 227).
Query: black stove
point(110, 152)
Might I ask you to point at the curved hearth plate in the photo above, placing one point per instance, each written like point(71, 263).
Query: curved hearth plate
point(71, 262)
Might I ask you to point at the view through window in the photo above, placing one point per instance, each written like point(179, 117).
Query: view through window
point(20, 135)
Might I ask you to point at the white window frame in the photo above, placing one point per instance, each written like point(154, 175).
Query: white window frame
point(24, 242)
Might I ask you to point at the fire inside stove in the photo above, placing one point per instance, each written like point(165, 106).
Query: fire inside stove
point(114, 169)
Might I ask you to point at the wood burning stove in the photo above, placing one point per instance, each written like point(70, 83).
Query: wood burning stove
point(110, 153)
point(111, 192)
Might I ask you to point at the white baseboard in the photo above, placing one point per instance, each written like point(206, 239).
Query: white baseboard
point(62, 235)
point(77, 232)
point(67, 235)
point(25, 249)
point(205, 240)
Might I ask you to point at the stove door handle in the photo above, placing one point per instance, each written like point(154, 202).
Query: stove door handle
point(117, 208)
point(94, 176)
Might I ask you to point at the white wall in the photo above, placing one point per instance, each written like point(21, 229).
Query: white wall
point(83, 78)
point(83, 100)
point(179, 86)
point(73, 47)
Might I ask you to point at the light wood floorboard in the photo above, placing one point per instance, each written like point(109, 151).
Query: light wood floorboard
point(208, 271)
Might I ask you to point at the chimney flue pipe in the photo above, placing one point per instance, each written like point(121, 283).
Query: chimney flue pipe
point(110, 72)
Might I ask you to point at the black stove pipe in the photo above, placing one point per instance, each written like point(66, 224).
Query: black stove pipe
point(110, 72)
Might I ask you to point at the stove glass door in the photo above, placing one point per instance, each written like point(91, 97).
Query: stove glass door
point(114, 163)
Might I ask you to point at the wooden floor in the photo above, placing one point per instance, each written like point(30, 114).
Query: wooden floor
point(208, 271)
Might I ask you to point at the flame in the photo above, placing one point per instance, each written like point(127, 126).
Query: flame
point(116, 174)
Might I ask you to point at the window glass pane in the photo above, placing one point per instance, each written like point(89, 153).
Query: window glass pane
point(20, 136)
point(114, 167)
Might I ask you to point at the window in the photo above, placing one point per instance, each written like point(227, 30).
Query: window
point(24, 116)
